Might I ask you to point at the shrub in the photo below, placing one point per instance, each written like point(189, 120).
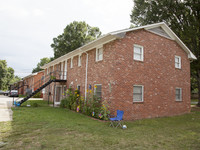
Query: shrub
point(92, 106)
point(63, 103)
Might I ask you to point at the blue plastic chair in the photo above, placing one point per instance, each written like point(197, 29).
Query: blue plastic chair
point(117, 120)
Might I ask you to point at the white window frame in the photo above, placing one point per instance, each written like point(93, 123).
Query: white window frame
point(97, 53)
point(142, 52)
point(179, 62)
point(79, 60)
point(142, 93)
point(95, 89)
point(178, 100)
point(71, 63)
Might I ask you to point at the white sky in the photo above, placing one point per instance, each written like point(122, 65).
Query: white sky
point(27, 27)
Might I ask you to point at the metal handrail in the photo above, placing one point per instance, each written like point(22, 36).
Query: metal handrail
point(55, 75)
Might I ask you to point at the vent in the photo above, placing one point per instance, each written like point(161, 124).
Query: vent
point(160, 31)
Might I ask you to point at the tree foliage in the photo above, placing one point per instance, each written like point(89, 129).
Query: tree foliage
point(42, 62)
point(6, 75)
point(182, 16)
point(3, 73)
point(75, 35)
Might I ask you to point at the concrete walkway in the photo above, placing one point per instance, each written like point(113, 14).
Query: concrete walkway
point(5, 108)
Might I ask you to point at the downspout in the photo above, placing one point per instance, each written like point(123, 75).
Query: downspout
point(86, 69)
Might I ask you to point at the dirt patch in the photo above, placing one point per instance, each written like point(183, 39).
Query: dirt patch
point(195, 108)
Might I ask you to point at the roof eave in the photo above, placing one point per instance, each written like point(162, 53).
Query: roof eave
point(87, 47)
point(117, 35)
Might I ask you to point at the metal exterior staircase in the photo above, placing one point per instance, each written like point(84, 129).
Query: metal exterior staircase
point(35, 92)
point(56, 76)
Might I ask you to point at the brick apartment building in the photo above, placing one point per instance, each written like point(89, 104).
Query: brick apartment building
point(31, 83)
point(144, 71)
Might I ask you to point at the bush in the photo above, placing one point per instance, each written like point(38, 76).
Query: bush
point(92, 106)
point(64, 103)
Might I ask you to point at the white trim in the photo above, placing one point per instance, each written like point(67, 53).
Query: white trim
point(97, 53)
point(142, 93)
point(179, 63)
point(142, 52)
point(178, 100)
point(71, 62)
point(58, 86)
point(61, 70)
point(65, 70)
point(86, 71)
point(95, 89)
point(79, 59)
point(116, 35)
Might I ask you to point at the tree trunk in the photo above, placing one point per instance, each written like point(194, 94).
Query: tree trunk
point(198, 76)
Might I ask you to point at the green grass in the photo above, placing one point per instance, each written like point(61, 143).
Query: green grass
point(194, 100)
point(46, 127)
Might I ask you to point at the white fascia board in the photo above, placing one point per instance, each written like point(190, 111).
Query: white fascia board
point(167, 30)
point(117, 35)
point(137, 28)
point(176, 38)
point(87, 47)
point(30, 75)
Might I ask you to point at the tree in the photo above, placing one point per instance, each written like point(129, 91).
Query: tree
point(15, 79)
point(182, 16)
point(3, 72)
point(42, 62)
point(6, 75)
point(75, 35)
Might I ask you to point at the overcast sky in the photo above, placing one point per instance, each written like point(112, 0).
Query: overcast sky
point(27, 27)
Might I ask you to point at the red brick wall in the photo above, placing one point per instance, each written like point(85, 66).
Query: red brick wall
point(118, 72)
point(156, 73)
point(37, 78)
point(37, 81)
point(21, 88)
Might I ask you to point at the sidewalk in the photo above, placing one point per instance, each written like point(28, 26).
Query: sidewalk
point(19, 99)
point(5, 108)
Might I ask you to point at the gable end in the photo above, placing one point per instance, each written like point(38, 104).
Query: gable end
point(159, 31)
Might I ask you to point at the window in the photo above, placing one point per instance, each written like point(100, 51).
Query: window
point(138, 52)
point(178, 62)
point(138, 93)
point(99, 54)
point(71, 64)
point(79, 60)
point(97, 90)
point(178, 94)
point(78, 87)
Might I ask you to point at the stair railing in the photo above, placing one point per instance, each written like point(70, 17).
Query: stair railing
point(56, 76)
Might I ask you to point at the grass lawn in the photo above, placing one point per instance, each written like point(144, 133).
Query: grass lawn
point(194, 100)
point(46, 127)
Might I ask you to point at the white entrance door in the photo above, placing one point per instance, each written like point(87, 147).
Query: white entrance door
point(58, 95)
